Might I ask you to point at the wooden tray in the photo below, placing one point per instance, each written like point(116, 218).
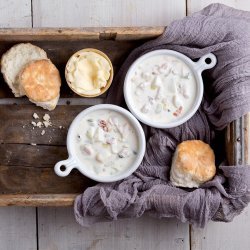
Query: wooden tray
point(26, 171)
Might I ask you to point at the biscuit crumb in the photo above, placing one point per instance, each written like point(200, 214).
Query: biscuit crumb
point(35, 116)
point(34, 124)
point(43, 132)
point(60, 127)
point(47, 123)
point(46, 117)
point(39, 124)
point(33, 144)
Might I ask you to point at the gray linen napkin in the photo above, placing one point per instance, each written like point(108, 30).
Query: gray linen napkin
point(225, 32)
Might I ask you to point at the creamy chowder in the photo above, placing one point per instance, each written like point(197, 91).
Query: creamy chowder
point(106, 142)
point(162, 88)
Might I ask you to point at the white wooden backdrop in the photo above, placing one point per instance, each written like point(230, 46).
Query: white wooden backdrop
point(55, 228)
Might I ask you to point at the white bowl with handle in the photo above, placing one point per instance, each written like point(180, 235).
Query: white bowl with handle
point(207, 61)
point(64, 167)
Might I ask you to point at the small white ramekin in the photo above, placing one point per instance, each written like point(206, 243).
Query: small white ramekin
point(207, 61)
point(74, 162)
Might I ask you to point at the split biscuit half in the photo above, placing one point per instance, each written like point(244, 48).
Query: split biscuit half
point(14, 60)
point(40, 81)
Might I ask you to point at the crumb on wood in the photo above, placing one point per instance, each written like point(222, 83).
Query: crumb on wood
point(46, 117)
point(47, 124)
point(33, 123)
point(39, 124)
point(35, 116)
point(33, 144)
point(43, 132)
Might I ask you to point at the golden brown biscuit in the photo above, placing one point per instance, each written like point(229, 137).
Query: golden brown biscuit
point(40, 80)
point(193, 164)
point(13, 61)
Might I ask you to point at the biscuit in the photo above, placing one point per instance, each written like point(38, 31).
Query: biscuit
point(15, 59)
point(193, 164)
point(40, 81)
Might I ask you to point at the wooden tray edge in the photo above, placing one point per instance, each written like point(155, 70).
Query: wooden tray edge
point(37, 200)
point(69, 34)
point(237, 133)
point(238, 141)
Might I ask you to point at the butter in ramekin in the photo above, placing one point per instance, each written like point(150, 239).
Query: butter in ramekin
point(87, 72)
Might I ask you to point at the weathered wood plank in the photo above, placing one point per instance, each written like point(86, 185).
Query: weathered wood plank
point(31, 155)
point(34, 200)
point(194, 5)
point(18, 228)
point(76, 34)
point(74, 13)
point(59, 52)
point(26, 180)
point(15, 14)
point(58, 230)
point(238, 141)
point(16, 127)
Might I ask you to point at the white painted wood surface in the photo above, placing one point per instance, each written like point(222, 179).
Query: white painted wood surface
point(100, 13)
point(17, 228)
point(56, 226)
point(15, 14)
point(229, 236)
point(194, 5)
point(58, 230)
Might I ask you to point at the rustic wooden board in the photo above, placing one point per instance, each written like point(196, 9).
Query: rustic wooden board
point(238, 141)
point(27, 169)
point(80, 34)
point(16, 124)
point(26, 157)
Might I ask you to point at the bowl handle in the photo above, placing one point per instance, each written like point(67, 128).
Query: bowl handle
point(68, 165)
point(207, 61)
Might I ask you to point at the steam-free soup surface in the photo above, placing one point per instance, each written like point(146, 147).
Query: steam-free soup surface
point(106, 142)
point(162, 88)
